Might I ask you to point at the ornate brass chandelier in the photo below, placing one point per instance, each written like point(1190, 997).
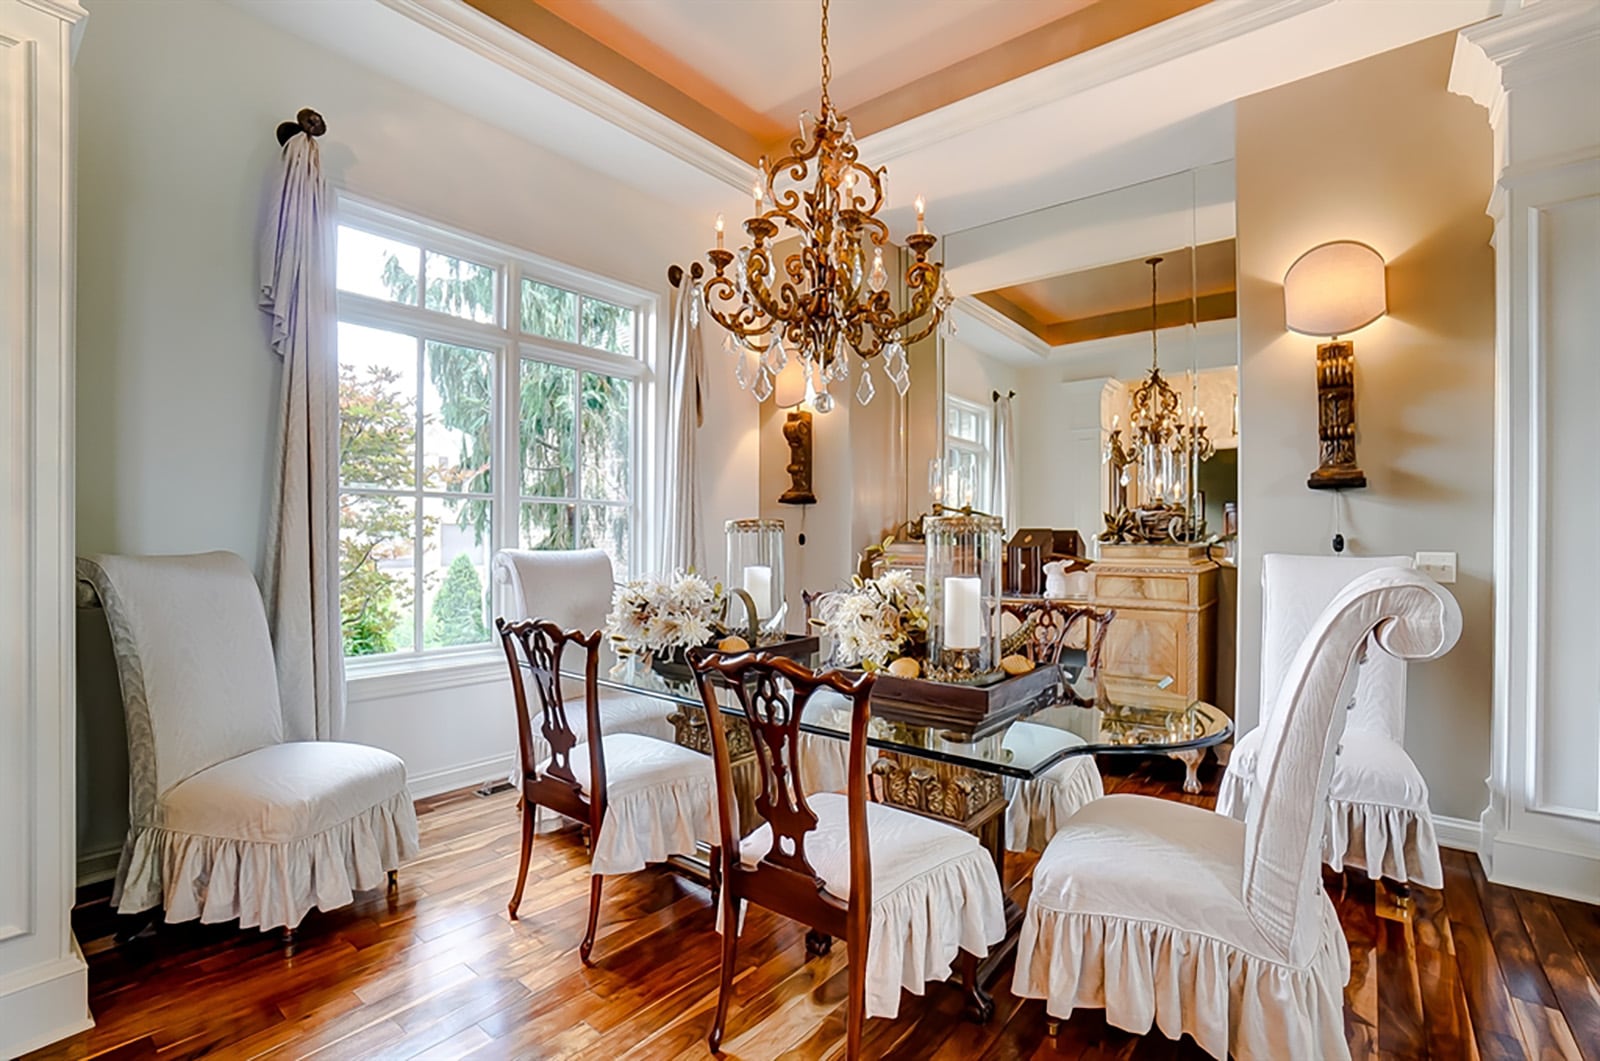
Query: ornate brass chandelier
point(826, 298)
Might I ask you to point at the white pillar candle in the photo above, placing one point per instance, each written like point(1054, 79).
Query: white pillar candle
point(758, 583)
point(963, 612)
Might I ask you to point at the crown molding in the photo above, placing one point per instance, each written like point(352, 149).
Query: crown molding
point(65, 10)
point(505, 47)
point(981, 313)
point(1193, 31)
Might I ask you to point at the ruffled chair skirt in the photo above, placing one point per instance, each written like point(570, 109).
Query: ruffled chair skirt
point(1039, 808)
point(1382, 838)
point(1143, 973)
point(263, 884)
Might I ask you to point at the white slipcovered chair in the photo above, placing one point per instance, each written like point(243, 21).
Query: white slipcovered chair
point(1163, 913)
point(573, 589)
point(1378, 816)
point(227, 819)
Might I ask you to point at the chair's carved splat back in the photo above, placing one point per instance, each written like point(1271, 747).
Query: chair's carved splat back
point(774, 718)
point(544, 645)
point(772, 692)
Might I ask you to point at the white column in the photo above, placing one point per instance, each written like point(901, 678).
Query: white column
point(43, 980)
point(1534, 69)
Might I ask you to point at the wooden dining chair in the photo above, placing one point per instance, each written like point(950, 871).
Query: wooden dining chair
point(643, 800)
point(1036, 808)
point(908, 894)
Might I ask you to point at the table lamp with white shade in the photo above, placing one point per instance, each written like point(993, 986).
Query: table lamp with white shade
point(1331, 290)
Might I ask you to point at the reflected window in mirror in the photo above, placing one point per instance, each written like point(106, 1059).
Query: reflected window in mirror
point(967, 453)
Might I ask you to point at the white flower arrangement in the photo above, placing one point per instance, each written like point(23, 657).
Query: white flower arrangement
point(654, 616)
point(874, 620)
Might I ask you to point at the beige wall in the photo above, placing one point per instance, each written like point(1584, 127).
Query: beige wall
point(1377, 151)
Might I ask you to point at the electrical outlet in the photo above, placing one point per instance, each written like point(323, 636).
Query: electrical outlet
point(1441, 567)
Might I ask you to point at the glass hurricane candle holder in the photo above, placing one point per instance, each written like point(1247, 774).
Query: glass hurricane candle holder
point(963, 585)
point(755, 565)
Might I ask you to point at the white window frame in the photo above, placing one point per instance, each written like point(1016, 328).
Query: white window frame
point(509, 346)
point(983, 450)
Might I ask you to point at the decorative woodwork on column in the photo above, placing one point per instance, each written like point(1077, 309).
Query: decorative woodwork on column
point(1530, 68)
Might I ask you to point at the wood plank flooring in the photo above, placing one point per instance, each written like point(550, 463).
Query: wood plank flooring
point(436, 970)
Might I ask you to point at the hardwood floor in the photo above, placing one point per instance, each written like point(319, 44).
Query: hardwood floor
point(437, 970)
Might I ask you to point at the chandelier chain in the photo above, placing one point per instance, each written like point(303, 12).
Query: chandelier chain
point(827, 66)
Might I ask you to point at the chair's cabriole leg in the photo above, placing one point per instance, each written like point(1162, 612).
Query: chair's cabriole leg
point(530, 814)
point(595, 882)
point(730, 953)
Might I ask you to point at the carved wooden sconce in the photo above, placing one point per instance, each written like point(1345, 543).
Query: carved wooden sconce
point(789, 392)
point(1332, 290)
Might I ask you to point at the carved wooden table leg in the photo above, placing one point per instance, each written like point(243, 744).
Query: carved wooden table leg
point(1191, 760)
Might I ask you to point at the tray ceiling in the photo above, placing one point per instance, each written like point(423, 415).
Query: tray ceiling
point(738, 72)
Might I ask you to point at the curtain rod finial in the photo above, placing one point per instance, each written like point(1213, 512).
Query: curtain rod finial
point(305, 121)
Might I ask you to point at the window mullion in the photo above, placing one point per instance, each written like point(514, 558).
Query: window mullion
point(418, 543)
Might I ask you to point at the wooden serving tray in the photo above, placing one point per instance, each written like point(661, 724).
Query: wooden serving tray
point(968, 711)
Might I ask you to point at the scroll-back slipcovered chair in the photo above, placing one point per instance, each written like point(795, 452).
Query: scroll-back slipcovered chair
point(644, 800)
point(1163, 913)
point(573, 590)
point(227, 819)
point(1378, 816)
point(908, 894)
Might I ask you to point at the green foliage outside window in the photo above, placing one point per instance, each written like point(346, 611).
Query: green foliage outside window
point(379, 429)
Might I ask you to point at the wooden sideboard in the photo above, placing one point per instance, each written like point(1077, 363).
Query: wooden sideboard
point(1166, 602)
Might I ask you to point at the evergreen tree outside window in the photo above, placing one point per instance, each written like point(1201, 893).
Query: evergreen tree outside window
point(440, 337)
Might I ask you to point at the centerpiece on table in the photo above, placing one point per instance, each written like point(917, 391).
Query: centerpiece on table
point(662, 617)
point(878, 623)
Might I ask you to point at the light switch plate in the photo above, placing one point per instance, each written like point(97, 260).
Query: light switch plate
point(1441, 567)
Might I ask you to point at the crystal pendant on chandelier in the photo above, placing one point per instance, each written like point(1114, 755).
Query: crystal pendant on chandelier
point(762, 389)
point(864, 388)
point(741, 370)
point(821, 199)
point(822, 401)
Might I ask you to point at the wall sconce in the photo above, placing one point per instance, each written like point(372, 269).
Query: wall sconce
point(1332, 290)
point(791, 390)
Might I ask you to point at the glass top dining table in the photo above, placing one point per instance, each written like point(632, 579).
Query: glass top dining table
point(1090, 715)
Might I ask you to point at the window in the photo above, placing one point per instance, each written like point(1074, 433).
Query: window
point(441, 339)
point(966, 453)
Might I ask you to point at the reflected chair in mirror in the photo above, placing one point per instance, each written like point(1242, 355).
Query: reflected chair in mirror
point(1378, 816)
point(642, 800)
point(229, 820)
point(1163, 913)
point(1038, 807)
point(573, 589)
point(909, 895)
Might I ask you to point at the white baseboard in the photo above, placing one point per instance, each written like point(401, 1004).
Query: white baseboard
point(1540, 864)
point(38, 1006)
point(96, 866)
point(432, 783)
point(1459, 833)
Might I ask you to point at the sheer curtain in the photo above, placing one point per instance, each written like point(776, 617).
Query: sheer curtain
point(1003, 464)
point(683, 544)
point(301, 583)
